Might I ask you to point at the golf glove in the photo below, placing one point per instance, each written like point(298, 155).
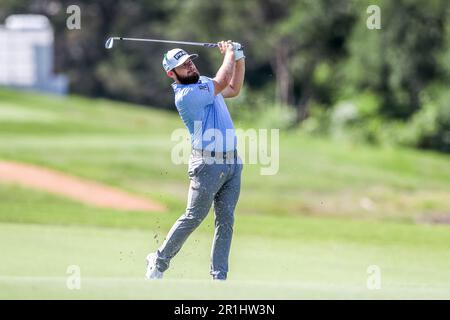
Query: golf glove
point(238, 52)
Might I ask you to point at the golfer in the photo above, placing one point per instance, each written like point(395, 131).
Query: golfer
point(214, 165)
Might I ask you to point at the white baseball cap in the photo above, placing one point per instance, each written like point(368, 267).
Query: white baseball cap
point(176, 57)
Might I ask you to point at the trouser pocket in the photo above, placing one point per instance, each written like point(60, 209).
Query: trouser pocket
point(195, 166)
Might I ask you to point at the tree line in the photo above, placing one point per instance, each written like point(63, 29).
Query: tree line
point(317, 58)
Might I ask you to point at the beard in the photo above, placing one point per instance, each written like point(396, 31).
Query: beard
point(190, 79)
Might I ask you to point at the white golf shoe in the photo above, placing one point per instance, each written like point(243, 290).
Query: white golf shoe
point(152, 272)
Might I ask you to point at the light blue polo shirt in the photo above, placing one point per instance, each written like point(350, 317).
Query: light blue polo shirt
point(205, 115)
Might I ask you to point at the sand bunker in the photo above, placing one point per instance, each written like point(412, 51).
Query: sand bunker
point(78, 189)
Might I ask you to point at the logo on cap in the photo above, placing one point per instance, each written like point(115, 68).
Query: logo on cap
point(180, 54)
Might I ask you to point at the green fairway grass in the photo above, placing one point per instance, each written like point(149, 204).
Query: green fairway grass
point(310, 263)
point(310, 231)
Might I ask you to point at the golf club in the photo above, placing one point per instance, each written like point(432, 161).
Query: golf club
point(110, 42)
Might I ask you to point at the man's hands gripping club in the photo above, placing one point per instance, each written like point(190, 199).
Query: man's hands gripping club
point(230, 77)
point(237, 48)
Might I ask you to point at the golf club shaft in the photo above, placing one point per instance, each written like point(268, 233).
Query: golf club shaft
point(202, 44)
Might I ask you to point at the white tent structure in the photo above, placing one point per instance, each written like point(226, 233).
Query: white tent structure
point(26, 54)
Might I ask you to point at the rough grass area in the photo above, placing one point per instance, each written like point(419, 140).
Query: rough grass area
point(130, 147)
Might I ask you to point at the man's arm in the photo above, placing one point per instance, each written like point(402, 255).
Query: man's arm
point(233, 89)
point(225, 73)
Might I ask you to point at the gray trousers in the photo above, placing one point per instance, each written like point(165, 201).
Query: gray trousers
point(209, 181)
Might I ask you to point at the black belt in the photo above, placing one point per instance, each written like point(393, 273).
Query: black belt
point(214, 154)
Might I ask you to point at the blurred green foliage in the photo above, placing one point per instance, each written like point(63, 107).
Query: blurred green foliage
point(310, 63)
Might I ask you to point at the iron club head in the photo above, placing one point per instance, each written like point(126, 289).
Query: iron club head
point(109, 43)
